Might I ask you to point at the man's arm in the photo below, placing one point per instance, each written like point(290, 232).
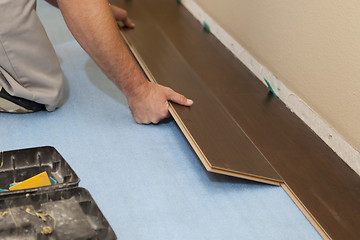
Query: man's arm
point(93, 26)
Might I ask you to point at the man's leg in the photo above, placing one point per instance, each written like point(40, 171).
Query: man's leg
point(13, 104)
point(29, 68)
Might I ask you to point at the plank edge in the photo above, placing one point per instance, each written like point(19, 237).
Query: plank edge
point(306, 212)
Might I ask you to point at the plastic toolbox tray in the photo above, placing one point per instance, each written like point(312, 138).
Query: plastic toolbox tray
point(19, 165)
point(68, 211)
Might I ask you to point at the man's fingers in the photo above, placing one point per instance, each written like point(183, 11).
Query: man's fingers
point(153, 104)
point(128, 23)
point(122, 15)
point(178, 98)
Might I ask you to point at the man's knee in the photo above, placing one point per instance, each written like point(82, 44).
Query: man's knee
point(57, 95)
point(38, 90)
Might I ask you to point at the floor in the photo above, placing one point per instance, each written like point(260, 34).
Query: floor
point(146, 180)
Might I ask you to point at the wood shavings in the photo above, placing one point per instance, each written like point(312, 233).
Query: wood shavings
point(2, 159)
point(46, 230)
point(40, 215)
point(43, 216)
point(3, 213)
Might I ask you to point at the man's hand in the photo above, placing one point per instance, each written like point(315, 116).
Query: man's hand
point(150, 103)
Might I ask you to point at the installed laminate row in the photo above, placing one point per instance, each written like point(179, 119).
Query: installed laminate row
point(322, 185)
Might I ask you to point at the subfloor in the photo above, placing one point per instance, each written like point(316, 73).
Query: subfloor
point(146, 180)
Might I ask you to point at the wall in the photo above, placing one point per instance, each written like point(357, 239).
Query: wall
point(313, 47)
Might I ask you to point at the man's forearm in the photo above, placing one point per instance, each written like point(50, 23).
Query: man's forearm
point(92, 24)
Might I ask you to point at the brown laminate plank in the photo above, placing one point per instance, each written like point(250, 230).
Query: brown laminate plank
point(226, 150)
point(319, 180)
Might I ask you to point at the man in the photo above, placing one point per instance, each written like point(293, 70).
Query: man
point(30, 74)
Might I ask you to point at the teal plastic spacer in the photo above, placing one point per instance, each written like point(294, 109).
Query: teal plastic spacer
point(52, 181)
point(206, 26)
point(270, 88)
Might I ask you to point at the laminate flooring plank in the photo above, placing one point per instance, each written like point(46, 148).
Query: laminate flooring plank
point(212, 130)
point(327, 188)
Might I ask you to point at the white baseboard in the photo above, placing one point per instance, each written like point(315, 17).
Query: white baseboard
point(334, 140)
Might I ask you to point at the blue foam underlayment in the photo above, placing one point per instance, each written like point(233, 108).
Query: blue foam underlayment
point(147, 180)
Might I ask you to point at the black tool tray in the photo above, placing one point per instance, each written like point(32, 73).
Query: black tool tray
point(60, 211)
point(19, 165)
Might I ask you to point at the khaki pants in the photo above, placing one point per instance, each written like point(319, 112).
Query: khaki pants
point(29, 67)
